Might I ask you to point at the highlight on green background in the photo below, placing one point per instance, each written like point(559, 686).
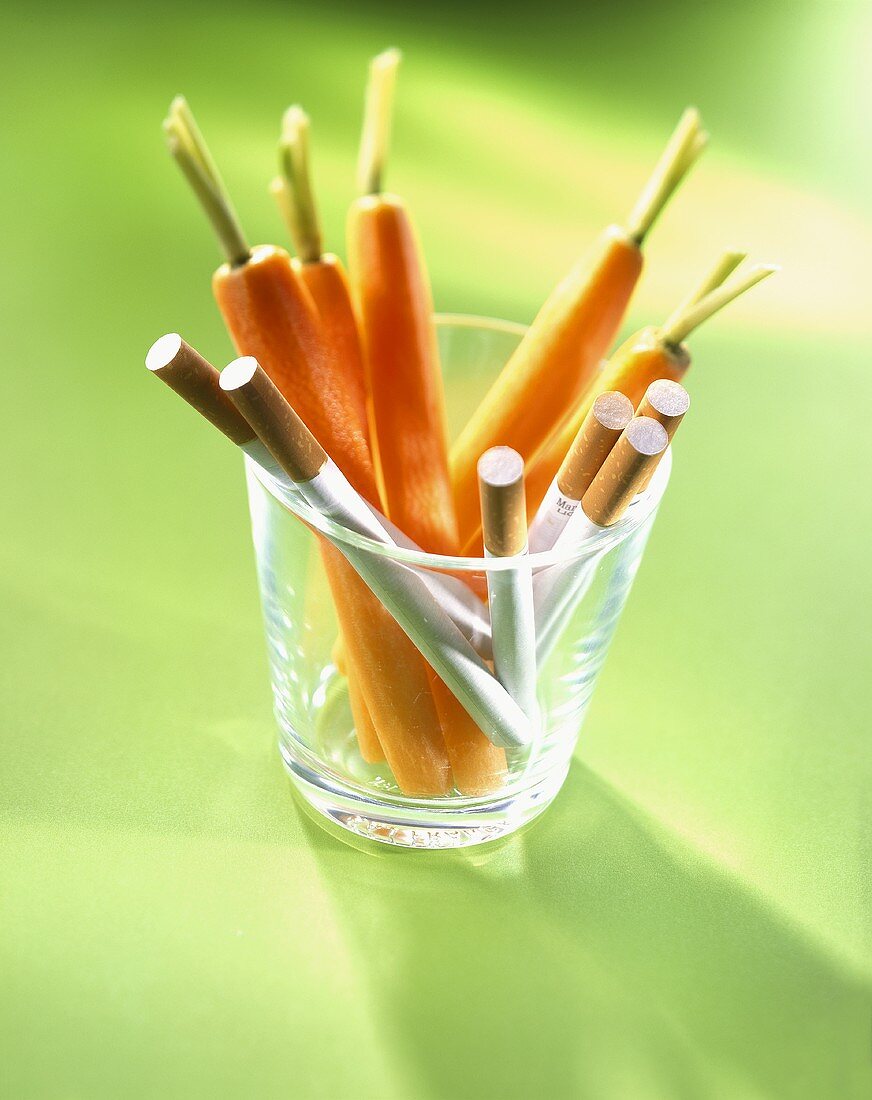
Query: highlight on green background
point(692, 915)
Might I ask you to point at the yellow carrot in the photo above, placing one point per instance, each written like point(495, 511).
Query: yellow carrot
point(368, 740)
point(649, 354)
point(560, 353)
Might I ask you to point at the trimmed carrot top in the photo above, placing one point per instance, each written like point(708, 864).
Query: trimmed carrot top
point(681, 152)
point(188, 148)
point(378, 110)
point(293, 187)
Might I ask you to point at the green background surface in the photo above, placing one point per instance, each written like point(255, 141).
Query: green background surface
point(692, 916)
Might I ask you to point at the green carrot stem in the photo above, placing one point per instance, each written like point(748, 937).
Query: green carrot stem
point(192, 155)
point(697, 147)
point(725, 266)
point(280, 192)
point(297, 201)
point(375, 138)
point(682, 150)
point(712, 303)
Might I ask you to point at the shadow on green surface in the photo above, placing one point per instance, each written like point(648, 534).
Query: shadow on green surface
point(685, 982)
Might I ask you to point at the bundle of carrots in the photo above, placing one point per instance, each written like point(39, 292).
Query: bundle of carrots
point(354, 354)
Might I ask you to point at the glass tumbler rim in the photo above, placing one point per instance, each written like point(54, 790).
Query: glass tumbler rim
point(606, 538)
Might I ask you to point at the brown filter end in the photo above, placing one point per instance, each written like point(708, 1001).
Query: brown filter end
point(626, 471)
point(599, 432)
point(196, 380)
point(666, 402)
point(283, 433)
point(503, 501)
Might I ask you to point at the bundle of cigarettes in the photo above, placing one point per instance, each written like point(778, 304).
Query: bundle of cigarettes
point(337, 396)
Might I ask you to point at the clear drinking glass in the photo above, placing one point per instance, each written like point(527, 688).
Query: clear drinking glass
point(316, 730)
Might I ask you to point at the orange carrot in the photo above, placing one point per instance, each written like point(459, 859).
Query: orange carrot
point(405, 386)
point(394, 682)
point(560, 353)
point(271, 316)
point(478, 766)
point(649, 354)
point(322, 273)
point(367, 735)
point(392, 291)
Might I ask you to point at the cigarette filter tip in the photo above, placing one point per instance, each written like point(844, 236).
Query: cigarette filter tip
point(193, 378)
point(666, 402)
point(276, 423)
point(611, 409)
point(600, 430)
point(646, 436)
point(163, 351)
point(238, 373)
point(503, 501)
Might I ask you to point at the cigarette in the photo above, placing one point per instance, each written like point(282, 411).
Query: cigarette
point(454, 595)
point(195, 379)
point(630, 465)
point(600, 430)
point(401, 589)
point(510, 591)
point(191, 376)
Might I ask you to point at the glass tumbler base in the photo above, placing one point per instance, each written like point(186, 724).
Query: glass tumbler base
point(439, 825)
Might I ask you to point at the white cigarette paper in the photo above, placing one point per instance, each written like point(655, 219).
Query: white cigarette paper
point(555, 511)
point(457, 599)
point(399, 588)
point(406, 596)
point(513, 626)
point(558, 590)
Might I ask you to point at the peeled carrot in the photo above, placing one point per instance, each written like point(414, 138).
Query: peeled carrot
point(322, 273)
point(392, 291)
point(477, 765)
point(648, 355)
point(367, 735)
point(560, 353)
point(394, 683)
point(265, 306)
point(272, 316)
point(405, 386)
